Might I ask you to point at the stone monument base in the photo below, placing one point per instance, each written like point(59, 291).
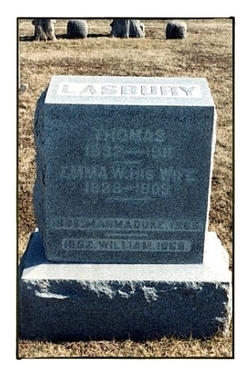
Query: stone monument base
point(68, 302)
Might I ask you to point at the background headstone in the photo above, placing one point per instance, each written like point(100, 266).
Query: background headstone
point(77, 29)
point(176, 30)
point(127, 28)
point(123, 169)
point(44, 29)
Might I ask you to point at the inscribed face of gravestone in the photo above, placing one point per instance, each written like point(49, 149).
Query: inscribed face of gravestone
point(123, 169)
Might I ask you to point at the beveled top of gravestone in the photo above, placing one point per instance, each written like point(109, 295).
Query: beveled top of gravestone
point(129, 91)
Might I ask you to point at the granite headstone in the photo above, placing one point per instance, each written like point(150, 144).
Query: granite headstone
point(123, 169)
point(121, 200)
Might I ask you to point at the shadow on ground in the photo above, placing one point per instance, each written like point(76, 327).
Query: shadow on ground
point(61, 36)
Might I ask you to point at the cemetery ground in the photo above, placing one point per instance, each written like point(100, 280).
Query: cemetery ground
point(206, 52)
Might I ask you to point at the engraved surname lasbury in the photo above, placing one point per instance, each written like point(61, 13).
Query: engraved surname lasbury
point(95, 89)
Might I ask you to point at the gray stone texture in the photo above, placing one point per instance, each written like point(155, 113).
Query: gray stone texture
point(44, 29)
point(104, 301)
point(176, 30)
point(123, 169)
point(127, 28)
point(77, 29)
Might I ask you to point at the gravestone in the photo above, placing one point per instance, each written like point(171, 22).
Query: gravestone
point(44, 29)
point(123, 169)
point(127, 28)
point(121, 199)
point(176, 30)
point(77, 29)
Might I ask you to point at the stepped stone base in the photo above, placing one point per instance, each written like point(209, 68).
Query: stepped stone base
point(68, 302)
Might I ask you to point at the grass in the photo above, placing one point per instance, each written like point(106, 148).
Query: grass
point(206, 52)
point(216, 347)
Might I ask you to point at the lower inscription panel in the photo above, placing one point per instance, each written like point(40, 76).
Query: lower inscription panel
point(121, 239)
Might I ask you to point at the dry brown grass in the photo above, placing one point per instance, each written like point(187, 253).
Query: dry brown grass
point(206, 52)
point(163, 348)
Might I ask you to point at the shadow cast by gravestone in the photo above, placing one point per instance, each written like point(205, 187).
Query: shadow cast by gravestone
point(29, 261)
point(27, 38)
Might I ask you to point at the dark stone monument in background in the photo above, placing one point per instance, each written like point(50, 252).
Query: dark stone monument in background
point(127, 28)
point(77, 29)
point(176, 30)
point(44, 29)
point(121, 200)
